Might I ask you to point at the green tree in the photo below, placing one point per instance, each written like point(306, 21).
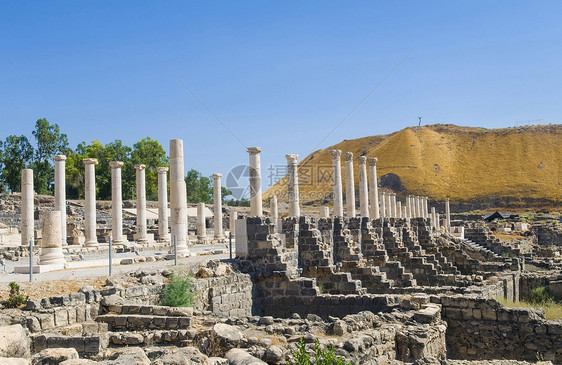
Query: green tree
point(199, 187)
point(148, 152)
point(49, 142)
point(17, 154)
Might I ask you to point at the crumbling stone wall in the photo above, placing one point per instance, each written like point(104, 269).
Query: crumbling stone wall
point(548, 234)
point(231, 295)
point(551, 281)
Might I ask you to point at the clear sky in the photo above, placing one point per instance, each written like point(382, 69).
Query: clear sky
point(280, 75)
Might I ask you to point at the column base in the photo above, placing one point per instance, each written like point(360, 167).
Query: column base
point(164, 239)
point(91, 244)
point(51, 256)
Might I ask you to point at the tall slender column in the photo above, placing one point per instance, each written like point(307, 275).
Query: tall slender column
point(374, 211)
point(409, 206)
point(433, 218)
point(399, 210)
point(394, 207)
point(201, 224)
point(383, 205)
point(163, 235)
point(90, 202)
point(389, 210)
point(447, 216)
point(418, 207)
point(27, 207)
point(217, 207)
point(338, 194)
point(274, 209)
point(178, 197)
point(232, 222)
point(293, 185)
point(363, 187)
point(405, 213)
point(255, 181)
point(142, 236)
point(426, 206)
point(437, 221)
point(349, 184)
point(51, 246)
point(60, 194)
point(116, 202)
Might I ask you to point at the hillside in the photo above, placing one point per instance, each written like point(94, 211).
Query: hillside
point(474, 167)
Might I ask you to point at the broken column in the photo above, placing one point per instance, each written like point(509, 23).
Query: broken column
point(373, 188)
point(324, 212)
point(349, 184)
point(27, 207)
point(178, 197)
point(90, 202)
point(447, 216)
point(201, 224)
point(142, 236)
point(116, 203)
point(293, 185)
point(217, 207)
point(232, 222)
point(51, 246)
point(274, 209)
point(60, 194)
point(163, 235)
point(363, 187)
point(255, 182)
point(338, 194)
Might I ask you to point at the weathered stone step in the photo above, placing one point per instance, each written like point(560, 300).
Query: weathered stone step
point(149, 338)
point(155, 310)
point(138, 322)
point(84, 345)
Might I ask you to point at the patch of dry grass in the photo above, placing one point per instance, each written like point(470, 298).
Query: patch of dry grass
point(551, 311)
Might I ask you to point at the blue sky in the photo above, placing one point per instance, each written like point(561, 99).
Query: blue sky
point(280, 75)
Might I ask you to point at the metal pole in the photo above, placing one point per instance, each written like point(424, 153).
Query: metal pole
point(230, 243)
point(175, 250)
point(110, 252)
point(31, 260)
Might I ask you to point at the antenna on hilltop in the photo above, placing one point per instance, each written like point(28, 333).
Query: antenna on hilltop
point(419, 124)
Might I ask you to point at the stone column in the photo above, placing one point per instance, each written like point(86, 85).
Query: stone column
point(447, 216)
point(349, 184)
point(418, 207)
point(51, 245)
point(383, 205)
point(116, 203)
point(389, 210)
point(255, 182)
point(437, 221)
point(399, 210)
point(426, 207)
point(324, 212)
point(60, 194)
point(433, 218)
point(408, 206)
point(405, 213)
point(394, 207)
point(374, 211)
point(27, 207)
point(232, 222)
point(363, 187)
point(178, 197)
point(90, 202)
point(201, 224)
point(293, 185)
point(338, 194)
point(163, 235)
point(274, 209)
point(217, 207)
point(142, 236)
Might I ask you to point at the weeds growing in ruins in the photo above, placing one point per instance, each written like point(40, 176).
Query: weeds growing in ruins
point(541, 295)
point(321, 357)
point(539, 298)
point(16, 299)
point(178, 292)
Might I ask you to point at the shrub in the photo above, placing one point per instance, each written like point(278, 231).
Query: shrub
point(321, 357)
point(178, 293)
point(541, 295)
point(16, 299)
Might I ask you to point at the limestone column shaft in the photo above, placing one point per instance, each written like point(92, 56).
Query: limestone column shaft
point(217, 207)
point(274, 209)
point(324, 212)
point(399, 210)
point(437, 221)
point(389, 210)
point(404, 213)
point(232, 221)
point(447, 216)
point(293, 185)
point(426, 208)
point(418, 207)
point(60, 193)
point(90, 202)
point(201, 224)
point(116, 202)
point(27, 207)
point(142, 236)
point(178, 197)
point(163, 235)
point(408, 207)
point(394, 207)
point(349, 184)
point(255, 182)
point(433, 218)
point(374, 210)
point(338, 194)
point(363, 187)
point(383, 205)
point(51, 245)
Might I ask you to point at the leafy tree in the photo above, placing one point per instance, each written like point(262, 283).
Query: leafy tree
point(17, 154)
point(149, 152)
point(199, 187)
point(49, 142)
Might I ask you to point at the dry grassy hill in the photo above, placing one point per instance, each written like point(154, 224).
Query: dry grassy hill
point(474, 167)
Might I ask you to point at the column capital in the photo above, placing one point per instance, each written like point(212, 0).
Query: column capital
point(253, 150)
point(217, 176)
point(372, 161)
point(116, 164)
point(336, 154)
point(162, 170)
point(60, 157)
point(89, 161)
point(140, 167)
point(362, 160)
point(292, 158)
point(348, 156)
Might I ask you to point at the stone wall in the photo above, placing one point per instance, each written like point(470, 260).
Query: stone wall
point(230, 295)
point(551, 281)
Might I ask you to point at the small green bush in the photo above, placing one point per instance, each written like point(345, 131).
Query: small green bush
point(16, 299)
point(541, 295)
point(321, 357)
point(178, 293)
